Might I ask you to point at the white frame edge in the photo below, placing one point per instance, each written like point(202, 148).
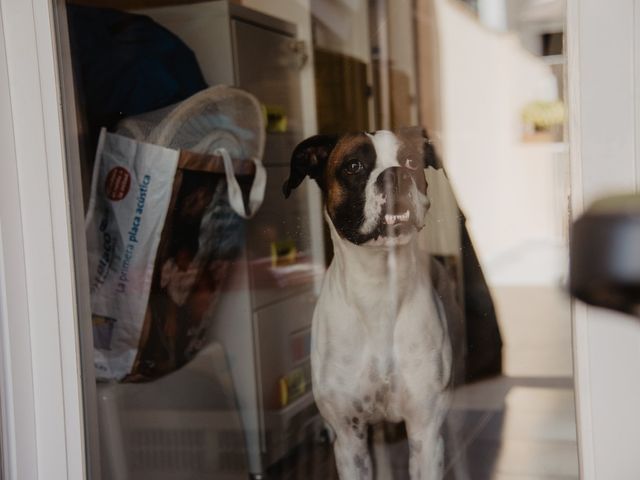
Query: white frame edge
point(603, 74)
point(41, 367)
point(16, 401)
point(580, 336)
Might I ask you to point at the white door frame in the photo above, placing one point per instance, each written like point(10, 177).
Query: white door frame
point(41, 395)
point(604, 106)
point(40, 370)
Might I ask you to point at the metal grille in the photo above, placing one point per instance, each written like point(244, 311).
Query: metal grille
point(167, 450)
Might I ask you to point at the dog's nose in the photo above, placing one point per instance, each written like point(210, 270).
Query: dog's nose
point(394, 180)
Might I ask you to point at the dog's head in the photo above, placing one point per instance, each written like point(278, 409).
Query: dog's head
point(373, 184)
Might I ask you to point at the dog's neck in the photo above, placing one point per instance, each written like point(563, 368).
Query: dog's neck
point(388, 272)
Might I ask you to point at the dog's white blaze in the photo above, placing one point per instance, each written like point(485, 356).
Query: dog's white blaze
point(386, 145)
point(372, 208)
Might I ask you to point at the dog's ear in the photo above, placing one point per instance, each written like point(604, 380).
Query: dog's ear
point(309, 158)
point(431, 158)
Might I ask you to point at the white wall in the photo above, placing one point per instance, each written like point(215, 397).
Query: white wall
point(507, 189)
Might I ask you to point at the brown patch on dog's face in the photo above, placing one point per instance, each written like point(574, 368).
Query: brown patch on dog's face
point(411, 154)
point(348, 171)
point(351, 148)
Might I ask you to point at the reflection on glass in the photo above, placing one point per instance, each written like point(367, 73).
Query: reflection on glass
point(325, 237)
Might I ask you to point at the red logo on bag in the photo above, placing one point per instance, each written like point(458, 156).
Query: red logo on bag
point(117, 184)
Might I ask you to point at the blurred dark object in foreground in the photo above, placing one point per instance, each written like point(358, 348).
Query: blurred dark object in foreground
point(484, 342)
point(605, 254)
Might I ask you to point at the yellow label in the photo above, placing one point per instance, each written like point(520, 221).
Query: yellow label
point(283, 252)
point(276, 118)
point(284, 392)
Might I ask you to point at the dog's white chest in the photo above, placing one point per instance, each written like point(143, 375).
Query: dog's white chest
point(370, 364)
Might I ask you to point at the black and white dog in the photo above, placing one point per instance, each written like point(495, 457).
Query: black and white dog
point(380, 348)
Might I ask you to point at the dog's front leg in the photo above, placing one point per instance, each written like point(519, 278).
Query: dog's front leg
point(352, 456)
point(426, 451)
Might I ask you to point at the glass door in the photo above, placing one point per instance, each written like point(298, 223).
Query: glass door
point(231, 393)
point(321, 239)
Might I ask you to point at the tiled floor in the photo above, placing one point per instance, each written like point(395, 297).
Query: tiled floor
point(510, 428)
point(535, 323)
point(520, 426)
point(506, 428)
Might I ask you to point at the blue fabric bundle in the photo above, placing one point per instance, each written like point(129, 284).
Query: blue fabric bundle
point(126, 64)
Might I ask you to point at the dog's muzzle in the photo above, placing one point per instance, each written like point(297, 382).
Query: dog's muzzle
point(397, 186)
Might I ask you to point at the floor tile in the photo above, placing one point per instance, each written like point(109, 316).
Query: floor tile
point(535, 324)
point(535, 426)
point(484, 459)
point(513, 427)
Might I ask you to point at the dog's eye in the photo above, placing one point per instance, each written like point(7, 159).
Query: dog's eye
point(353, 166)
point(411, 164)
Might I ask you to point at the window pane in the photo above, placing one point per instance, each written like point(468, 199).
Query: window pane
point(325, 237)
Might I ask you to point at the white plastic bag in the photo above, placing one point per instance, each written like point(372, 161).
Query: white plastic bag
point(164, 222)
point(162, 228)
point(130, 195)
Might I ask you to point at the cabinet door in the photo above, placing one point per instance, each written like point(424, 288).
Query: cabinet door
point(267, 65)
point(279, 240)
